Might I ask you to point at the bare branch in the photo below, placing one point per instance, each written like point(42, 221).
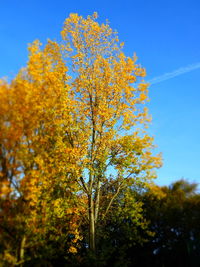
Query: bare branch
point(111, 201)
point(84, 185)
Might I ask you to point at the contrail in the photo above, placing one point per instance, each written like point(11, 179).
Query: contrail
point(174, 73)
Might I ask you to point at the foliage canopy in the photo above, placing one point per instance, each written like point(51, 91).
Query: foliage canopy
point(73, 138)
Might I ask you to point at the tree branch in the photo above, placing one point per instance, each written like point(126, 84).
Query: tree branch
point(84, 185)
point(111, 201)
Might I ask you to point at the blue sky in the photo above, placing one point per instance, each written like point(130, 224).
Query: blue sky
point(165, 36)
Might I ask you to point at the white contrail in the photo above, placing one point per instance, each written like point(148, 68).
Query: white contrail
point(174, 73)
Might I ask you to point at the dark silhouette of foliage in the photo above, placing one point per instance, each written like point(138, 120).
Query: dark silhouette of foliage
point(174, 214)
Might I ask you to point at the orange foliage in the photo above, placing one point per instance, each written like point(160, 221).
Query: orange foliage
point(61, 137)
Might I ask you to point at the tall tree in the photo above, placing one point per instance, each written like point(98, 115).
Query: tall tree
point(79, 111)
point(109, 119)
point(33, 176)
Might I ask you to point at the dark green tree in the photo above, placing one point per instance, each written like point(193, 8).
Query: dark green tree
point(174, 217)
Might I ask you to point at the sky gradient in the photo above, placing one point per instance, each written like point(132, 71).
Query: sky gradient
point(166, 38)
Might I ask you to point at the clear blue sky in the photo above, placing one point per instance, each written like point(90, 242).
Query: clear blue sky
point(165, 36)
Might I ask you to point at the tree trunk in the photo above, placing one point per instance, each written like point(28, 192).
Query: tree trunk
point(91, 225)
point(96, 203)
point(22, 249)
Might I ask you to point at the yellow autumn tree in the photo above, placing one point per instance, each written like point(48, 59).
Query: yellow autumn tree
point(79, 110)
point(33, 159)
point(108, 132)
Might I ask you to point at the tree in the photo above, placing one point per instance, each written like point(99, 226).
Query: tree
point(108, 117)
point(81, 129)
point(33, 178)
point(173, 213)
